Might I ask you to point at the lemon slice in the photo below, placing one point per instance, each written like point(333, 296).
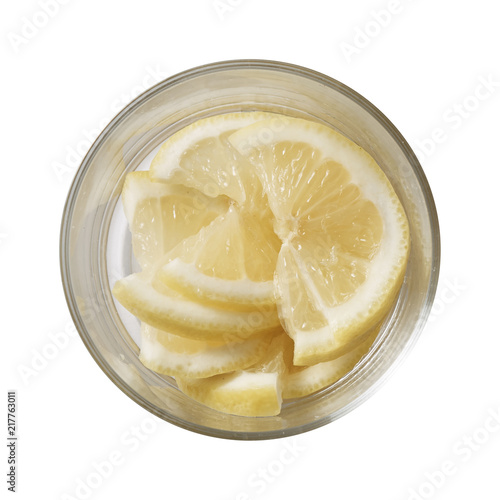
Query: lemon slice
point(301, 381)
point(171, 312)
point(344, 232)
point(160, 215)
point(176, 356)
point(198, 156)
point(229, 263)
point(254, 392)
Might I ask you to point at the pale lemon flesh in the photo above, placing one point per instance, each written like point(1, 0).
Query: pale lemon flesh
point(301, 236)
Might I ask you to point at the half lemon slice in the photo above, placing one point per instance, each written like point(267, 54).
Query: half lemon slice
point(345, 234)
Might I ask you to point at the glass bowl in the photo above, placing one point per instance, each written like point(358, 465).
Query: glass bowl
point(96, 244)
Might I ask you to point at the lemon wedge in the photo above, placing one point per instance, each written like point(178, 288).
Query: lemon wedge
point(254, 392)
point(171, 312)
point(301, 381)
point(345, 234)
point(198, 156)
point(176, 356)
point(229, 263)
point(162, 215)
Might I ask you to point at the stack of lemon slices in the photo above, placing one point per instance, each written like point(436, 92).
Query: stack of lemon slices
point(270, 248)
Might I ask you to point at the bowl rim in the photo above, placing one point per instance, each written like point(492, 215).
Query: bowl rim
point(258, 64)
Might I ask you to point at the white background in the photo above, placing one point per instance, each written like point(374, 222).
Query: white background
point(64, 80)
